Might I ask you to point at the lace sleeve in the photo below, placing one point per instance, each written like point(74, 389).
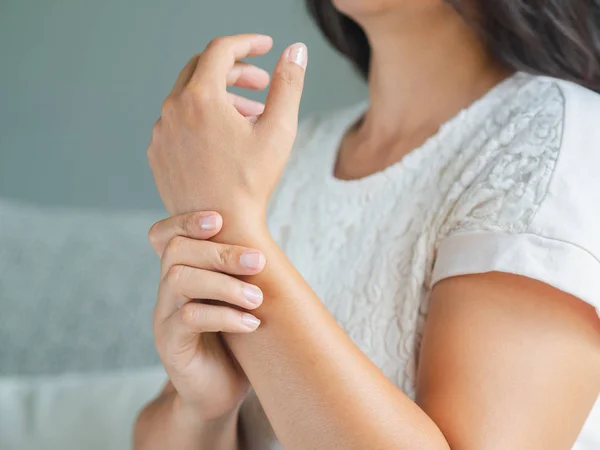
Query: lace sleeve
point(530, 206)
point(502, 190)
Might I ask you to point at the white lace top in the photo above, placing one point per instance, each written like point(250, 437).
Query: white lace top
point(510, 184)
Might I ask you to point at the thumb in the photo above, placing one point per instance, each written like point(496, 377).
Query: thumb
point(283, 101)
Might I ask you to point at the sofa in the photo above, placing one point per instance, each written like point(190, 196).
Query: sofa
point(77, 359)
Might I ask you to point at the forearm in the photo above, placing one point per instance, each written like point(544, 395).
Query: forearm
point(166, 423)
point(317, 388)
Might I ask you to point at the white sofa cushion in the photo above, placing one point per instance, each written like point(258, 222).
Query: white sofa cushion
point(77, 289)
point(93, 411)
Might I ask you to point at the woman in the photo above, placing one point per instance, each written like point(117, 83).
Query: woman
point(449, 230)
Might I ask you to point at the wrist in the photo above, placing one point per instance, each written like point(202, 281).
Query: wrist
point(243, 228)
point(190, 415)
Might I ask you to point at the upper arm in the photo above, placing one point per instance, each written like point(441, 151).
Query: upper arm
point(508, 362)
point(511, 353)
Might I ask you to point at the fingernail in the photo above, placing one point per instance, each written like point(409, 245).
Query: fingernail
point(252, 260)
point(298, 54)
point(208, 222)
point(253, 294)
point(250, 322)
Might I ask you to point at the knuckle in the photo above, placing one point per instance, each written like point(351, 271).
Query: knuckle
point(231, 291)
point(226, 255)
point(218, 42)
point(172, 253)
point(195, 96)
point(221, 317)
point(154, 136)
point(174, 275)
point(290, 78)
point(192, 313)
point(153, 235)
point(151, 154)
point(208, 315)
point(175, 247)
point(169, 106)
point(188, 224)
point(286, 78)
point(194, 59)
point(156, 129)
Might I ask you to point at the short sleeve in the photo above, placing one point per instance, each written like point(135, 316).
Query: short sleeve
point(534, 208)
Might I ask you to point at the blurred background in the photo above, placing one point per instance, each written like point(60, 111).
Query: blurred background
point(81, 83)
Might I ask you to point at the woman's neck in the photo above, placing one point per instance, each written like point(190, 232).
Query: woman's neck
point(424, 69)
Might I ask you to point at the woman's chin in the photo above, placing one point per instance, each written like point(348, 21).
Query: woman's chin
point(359, 8)
point(363, 8)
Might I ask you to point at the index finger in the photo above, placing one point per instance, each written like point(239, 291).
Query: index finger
point(198, 225)
point(185, 75)
point(221, 54)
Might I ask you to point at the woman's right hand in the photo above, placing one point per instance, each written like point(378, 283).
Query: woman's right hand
point(198, 298)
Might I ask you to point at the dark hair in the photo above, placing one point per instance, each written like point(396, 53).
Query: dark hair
point(559, 38)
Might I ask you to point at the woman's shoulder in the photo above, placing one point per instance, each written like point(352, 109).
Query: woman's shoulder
point(581, 106)
point(541, 153)
point(548, 108)
point(555, 109)
point(528, 201)
point(554, 158)
point(569, 204)
point(579, 152)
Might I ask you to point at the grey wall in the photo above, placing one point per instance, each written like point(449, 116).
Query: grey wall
point(81, 83)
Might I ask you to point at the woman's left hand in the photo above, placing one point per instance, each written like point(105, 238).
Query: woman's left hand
point(214, 151)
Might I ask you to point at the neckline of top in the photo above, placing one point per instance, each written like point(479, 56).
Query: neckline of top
point(479, 109)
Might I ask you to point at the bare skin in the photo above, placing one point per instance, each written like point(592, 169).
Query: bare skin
point(533, 391)
point(200, 403)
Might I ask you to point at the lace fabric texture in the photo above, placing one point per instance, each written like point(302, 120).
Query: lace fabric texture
point(504, 184)
point(368, 247)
